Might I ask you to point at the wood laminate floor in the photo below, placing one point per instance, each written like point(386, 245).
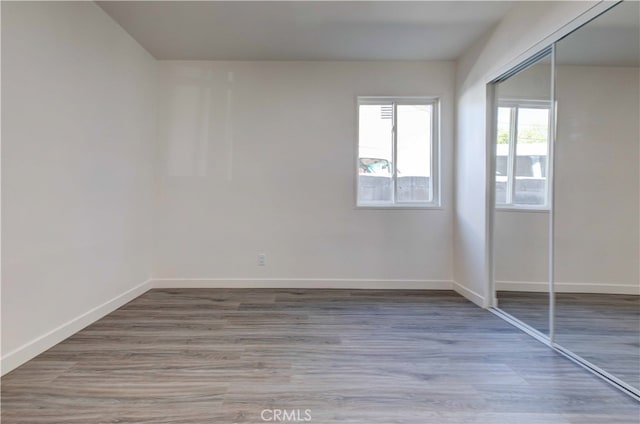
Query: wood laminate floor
point(604, 329)
point(223, 356)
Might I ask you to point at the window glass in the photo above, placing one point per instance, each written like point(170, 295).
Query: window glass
point(375, 154)
point(502, 153)
point(414, 153)
point(396, 163)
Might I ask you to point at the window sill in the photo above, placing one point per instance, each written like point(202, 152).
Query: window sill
point(400, 207)
point(522, 209)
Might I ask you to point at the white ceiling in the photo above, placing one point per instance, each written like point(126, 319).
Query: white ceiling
point(306, 30)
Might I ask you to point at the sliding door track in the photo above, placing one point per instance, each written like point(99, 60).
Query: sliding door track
point(543, 338)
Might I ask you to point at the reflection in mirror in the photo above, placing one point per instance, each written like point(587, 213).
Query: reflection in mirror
point(521, 216)
point(596, 202)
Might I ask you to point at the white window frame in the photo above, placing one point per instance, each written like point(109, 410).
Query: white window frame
point(511, 162)
point(434, 180)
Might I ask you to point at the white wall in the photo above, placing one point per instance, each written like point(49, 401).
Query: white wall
point(526, 25)
point(597, 205)
point(77, 152)
point(259, 157)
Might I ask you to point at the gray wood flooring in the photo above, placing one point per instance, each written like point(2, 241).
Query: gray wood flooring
point(223, 356)
point(602, 328)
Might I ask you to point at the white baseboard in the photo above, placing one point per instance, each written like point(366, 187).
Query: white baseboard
point(35, 347)
point(300, 283)
point(471, 295)
point(535, 286)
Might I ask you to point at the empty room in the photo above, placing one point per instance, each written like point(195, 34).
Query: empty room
point(320, 211)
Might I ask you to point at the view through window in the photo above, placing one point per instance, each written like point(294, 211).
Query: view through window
point(396, 163)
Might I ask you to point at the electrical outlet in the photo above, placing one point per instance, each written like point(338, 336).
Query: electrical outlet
point(262, 259)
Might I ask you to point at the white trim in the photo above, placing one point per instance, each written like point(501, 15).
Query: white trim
point(29, 350)
point(525, 103)
point(469, 294)
point(401, 100)
point(513, 208)
point(550, 186)
point(491, 128)
point(301, 283)
point(407, 206)
point(567, 287)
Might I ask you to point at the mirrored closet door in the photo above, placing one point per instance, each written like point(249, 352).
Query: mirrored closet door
point(596, 252)
point(521, 218)
point(566, 222)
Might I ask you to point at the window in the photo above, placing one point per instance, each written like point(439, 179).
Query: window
point(522, 155)
point(397, 152)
